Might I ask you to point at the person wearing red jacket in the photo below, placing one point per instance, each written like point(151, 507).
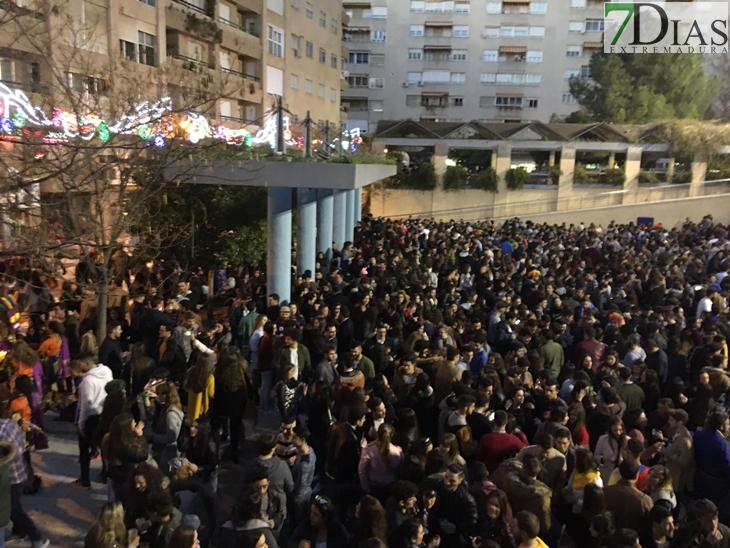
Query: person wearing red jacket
point(498, 445)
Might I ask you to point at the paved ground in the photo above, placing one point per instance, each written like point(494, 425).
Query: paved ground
point(65, 514)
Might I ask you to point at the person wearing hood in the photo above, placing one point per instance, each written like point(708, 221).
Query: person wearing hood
point(91, 396)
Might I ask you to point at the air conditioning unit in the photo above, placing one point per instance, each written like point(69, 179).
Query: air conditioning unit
point(405, 84)
point(420, 84)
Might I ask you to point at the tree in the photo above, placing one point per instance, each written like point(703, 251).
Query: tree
point(640, 88)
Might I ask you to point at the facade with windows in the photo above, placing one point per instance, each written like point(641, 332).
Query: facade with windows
point(459, 60)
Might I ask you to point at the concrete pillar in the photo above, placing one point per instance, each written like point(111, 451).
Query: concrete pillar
point(670, 169)
point(551, 159)
point(612, 160)
point(325, 201)
point(350, 216)
point(440, 155)
point(632, 170)
point(502, 166)
point(278, 261)
point(339, 218)
point(565, 182)
point(306, 230)
point(699, 172)
point(493, 163)
point(358, 205)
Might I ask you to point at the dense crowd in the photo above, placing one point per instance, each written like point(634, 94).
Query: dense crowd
point(436, 384)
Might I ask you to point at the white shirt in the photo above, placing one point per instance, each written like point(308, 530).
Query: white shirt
point(705, 305)
point(294, 359)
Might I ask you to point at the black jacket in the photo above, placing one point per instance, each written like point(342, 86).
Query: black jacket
point(121, 467)
point(337, 536)
point(458, 508)
point(110, 354)
point(342, 465)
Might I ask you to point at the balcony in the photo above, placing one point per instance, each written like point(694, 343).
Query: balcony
point(255, 6)
point(236, 120)
point(191, 64)
point(193, 7)
point(243, 86)
point(236, 39)
point(239, 27)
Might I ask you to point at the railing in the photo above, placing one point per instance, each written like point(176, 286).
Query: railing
point(241, 74)
point(194, 7)
point(242, 28)
point(237, 120)
point(32, 88)
point(191, 60)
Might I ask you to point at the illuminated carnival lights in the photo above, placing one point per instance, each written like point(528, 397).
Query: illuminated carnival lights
point(152, 122)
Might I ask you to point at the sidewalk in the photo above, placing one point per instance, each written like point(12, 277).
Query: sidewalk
point(64, 514)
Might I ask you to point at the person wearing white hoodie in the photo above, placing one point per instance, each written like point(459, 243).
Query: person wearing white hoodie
point(90, 396)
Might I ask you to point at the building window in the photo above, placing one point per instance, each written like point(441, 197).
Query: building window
point(446, 6)
point(333, 95)
point(578, 4)
point(377, 83)
point(335, 26)
point(512, 78)
point(309, 49)
point(488, 78)
point(456, 101)
point(128, 50)
point(413, 77)
point(490, 56)
point(415, 54)
point(296, 45)
point(462, 7)
point(376, 106)
point(294, 80)
point(436, 76)
point(574, 51)
point(146, 48)
point(568, 98)
point(79, 83)
point(585, 72)
point(358, 81)
point(418, 6)
point(458, 77)
point(320, 91)
point(532, 103)
point(576, 26)
point(538, 8)
point(276, 41)
point(152, 3)
point(594, 25)
point(494, 7)
point(486, 102)
point(461, 31)
point(534, 57)
point(491, 32)
point(571, 73)
point(377, 60)
point(377, 36)
point(358, 58)
point(322, 55)
point(333, 61)
point(508, 101)
point(537, 32)
point(308, 87)
point(323, 19)
point(379, 12)
point(458, 55)
point(416, 30)
point(533, 79)
point(7, 70)
point(310, 10)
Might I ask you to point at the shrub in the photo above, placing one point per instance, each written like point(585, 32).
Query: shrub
point(580, 175)
point(485, 180)
point(455, 178)
point(516, 178)
point(554, 174)
point(613, 176)
point(682, 177)
point(648, 178)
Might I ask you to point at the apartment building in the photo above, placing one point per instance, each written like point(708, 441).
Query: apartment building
point(246, 53)
point(461, 60)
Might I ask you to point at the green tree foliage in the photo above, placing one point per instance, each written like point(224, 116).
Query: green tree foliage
point(640, 88)
point(485, 180)
point(516, 178)
point(455, 178)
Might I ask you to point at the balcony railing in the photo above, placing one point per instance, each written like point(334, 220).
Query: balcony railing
point(31, 88)
point(191, 60)
point(242, 28)
point(240, 74)
point(194, 7)
point(237, 120)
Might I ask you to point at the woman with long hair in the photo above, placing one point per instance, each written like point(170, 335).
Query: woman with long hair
point(321, 527)
point(414, 468)
point(493, 523)
point(369, 520)
point(255, 340)
point(200, 383)
point(450, 446)
point(123, 448)
point(659, 485)
point(577, 424)
point(265, 360)
point(578, 524)
point(234, 388)
point(166, 423)
point(610, 447)
point(585, 472)
point(146, 484)
point(379, 463)
point(108, 531)
point(138, 370)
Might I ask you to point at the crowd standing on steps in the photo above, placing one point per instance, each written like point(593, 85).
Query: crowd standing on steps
point(437, 384)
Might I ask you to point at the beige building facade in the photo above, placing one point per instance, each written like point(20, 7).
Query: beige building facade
point(462, 60)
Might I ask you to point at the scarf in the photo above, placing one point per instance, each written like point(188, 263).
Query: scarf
point(581, 480)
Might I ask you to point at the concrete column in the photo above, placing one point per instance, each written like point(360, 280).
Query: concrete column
point(440, 155)
point(493, 163)
point(632, 170)
point(278, 261)
point(339, 218)
point(699, 172)
point(551, 159)
point(670, 169)
point(358, 204)
point(565, 182)
point(306, 230)
point(350, 216)
point(324, 224)
point(502, 166)
point(611, 160)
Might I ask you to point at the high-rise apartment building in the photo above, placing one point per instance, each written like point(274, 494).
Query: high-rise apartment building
point(461, 60)
point(246, 52)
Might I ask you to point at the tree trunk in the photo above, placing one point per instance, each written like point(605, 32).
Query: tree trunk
point(103, 293)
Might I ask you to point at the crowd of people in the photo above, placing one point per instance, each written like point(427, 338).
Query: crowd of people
point(434, 384)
